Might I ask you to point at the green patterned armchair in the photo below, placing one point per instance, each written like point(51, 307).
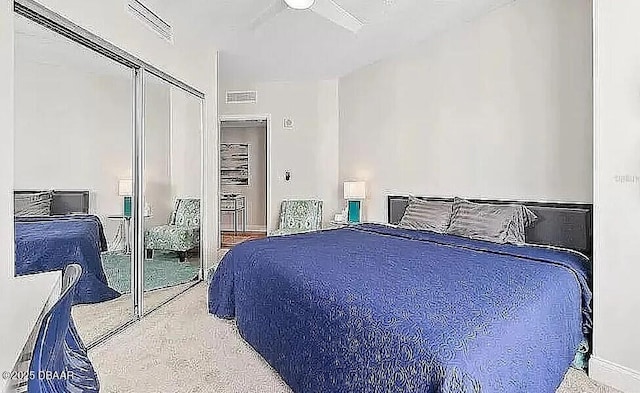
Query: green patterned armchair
point(181, 234)
point(299, 216)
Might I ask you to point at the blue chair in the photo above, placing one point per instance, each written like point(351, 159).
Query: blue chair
point(60, 363)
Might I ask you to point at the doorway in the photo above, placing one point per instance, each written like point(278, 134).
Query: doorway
point(244, 179)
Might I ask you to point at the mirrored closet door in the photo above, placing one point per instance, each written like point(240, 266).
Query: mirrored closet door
point(74, 155)
point(172, 191)
point(108, 172)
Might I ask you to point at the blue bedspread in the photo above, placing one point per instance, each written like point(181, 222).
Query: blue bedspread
point(45, 244)
point(378, 309)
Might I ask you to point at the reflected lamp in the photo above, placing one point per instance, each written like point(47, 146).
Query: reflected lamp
point(125, 190)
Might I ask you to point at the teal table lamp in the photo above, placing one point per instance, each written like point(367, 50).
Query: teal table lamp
point(125, 190)
point(354, 193)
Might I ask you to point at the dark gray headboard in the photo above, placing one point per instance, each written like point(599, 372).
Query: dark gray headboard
point(64, 201)
point(568, 225)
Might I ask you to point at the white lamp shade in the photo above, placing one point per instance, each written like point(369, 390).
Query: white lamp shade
point(125, 187)
point(299, 4)
point(354, 190)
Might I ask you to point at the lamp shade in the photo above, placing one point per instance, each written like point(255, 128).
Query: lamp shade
point(125, 187)
point(354, 190)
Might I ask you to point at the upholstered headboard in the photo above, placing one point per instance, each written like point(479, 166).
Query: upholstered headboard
point(64, 201)
point(568, 225)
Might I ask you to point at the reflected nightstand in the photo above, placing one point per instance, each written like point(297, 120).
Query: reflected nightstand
point(123, 236)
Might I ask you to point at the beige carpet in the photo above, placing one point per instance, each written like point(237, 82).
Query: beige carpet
point(96, 320)
point(181, 348)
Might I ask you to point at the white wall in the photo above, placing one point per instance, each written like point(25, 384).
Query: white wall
point(616, 194)
point(499, 107)
point(256, 192)
point(8, 336)
point(186, 145)
point(310, 152)
point(6, 136)
point(157, 152)
point(82, 136)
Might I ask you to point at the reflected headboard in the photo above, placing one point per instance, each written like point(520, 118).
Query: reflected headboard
point(64, 201)
point(568, 225)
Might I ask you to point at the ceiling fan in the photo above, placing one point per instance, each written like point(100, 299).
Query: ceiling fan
point(325, 8)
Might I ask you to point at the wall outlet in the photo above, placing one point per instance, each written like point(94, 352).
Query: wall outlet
point(287, 123)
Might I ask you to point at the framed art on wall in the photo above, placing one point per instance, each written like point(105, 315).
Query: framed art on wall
point(234, 164)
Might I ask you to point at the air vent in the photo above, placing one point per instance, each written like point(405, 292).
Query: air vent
point(153, 21)
point(242, 97)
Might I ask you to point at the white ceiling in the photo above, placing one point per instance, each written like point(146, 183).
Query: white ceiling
point(302, 45)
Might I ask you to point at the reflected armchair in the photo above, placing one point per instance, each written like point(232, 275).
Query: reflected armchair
point(182, 234)
point(297, 216)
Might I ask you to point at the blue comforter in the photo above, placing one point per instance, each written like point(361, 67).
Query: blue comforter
point(378, 309)
point(45, 244)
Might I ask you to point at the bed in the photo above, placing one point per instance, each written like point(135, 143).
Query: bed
point(69, 235)
point(376, 308)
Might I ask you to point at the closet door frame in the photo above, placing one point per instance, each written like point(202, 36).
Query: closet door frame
point(57, 23)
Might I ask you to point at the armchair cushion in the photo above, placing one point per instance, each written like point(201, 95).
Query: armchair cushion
point(298, 216)
point(187, 213)
point(183, 231)
point(172, 237)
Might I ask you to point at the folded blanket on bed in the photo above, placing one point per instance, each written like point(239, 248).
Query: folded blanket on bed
point(378, 309)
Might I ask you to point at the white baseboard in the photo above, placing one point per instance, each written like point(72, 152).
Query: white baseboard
point(614, 375)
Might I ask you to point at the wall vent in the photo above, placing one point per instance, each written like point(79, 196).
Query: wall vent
point(151, 19)
point(242, 97)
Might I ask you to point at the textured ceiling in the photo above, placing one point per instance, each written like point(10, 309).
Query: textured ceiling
point(302, 45)
point(294, 45)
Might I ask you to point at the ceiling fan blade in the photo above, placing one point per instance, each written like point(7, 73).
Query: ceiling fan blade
point(274, 9)
point(338, 15)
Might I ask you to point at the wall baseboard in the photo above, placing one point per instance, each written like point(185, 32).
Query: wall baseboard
point(614, 375)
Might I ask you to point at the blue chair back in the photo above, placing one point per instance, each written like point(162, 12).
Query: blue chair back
point(60, 363)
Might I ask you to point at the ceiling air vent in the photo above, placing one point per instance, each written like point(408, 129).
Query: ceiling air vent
point(153, 21)
point(242, 97)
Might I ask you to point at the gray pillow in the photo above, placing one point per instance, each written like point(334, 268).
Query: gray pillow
point(427, 215)
point(494, 223)
point(36, 204)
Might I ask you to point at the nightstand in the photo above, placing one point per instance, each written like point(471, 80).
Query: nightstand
point(335, 225)
point(122, 238)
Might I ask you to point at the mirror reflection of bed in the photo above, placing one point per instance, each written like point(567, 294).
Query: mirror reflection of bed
point(54, 228)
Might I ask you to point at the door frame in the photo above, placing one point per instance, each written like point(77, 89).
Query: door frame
point(247, 117)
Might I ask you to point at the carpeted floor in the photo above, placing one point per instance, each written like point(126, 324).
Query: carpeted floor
point(95, 320)
point(181, 348)
point(164, 270)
